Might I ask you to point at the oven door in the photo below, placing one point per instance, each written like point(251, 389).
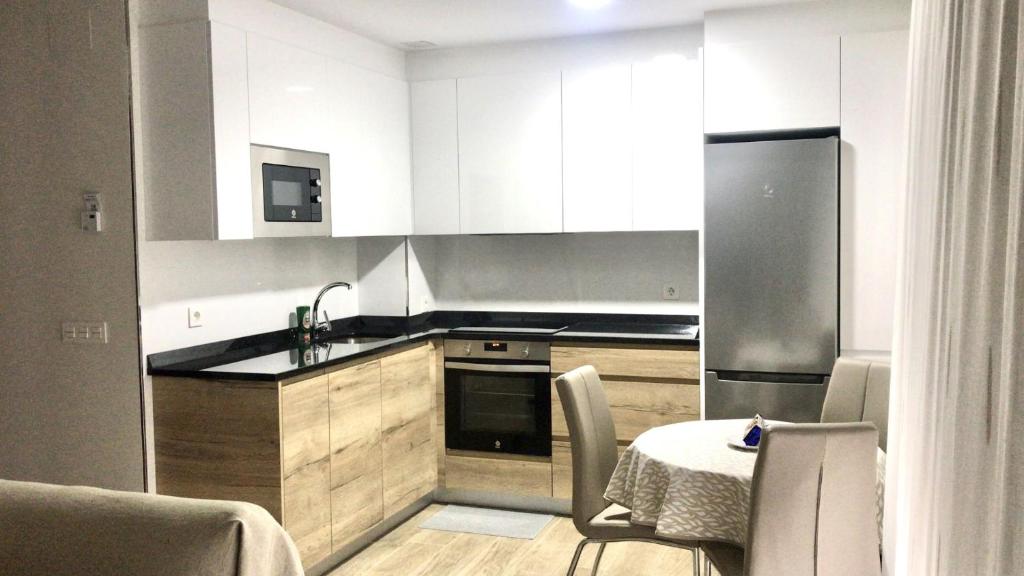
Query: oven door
point(493, 407)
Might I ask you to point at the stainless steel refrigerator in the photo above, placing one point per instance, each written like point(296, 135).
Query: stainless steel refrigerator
point(771, 293)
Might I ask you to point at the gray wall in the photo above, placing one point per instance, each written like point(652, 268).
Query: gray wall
point(68, 413)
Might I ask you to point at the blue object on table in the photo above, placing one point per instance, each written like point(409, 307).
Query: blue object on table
point(753, 438)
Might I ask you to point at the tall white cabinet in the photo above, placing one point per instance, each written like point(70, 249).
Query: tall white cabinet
point(668, 145)
point(194, 99)
point(288, 95)
point(597, 149)
point(778, 85)
point(615, 147)
point(435, 156)
point(510, 154)
point(368, 140)
point(873, 87)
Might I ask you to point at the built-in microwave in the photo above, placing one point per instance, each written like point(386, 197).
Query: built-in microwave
point(291, 192)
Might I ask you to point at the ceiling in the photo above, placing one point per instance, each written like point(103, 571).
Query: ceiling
point(463, 22)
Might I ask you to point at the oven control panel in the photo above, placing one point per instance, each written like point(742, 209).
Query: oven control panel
point(497, 350)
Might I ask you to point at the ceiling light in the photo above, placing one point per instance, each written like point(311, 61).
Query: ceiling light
point(590, 4)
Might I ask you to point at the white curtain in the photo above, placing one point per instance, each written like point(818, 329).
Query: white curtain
point(955, 481)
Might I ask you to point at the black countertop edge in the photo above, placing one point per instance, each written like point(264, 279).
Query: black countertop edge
point(370, 350)
point(200, 361)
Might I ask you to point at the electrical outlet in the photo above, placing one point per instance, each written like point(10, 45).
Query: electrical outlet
point(195, 317)
point(669, 292)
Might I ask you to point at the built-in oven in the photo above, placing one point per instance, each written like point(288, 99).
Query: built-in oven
point(498, 396)
point(291, 192)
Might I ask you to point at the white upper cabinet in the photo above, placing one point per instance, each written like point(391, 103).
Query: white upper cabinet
point(194, 132)
point(777, 85)
point(874, 77)
point(597, 149)
point(510, 154)
point(287, 95)
point(668, 144)
point(435, 157)
point(368, 144)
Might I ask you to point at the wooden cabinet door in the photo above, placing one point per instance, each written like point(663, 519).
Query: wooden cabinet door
point(306, 467)
point(779, 85)
point(356, 481)
point(407, 419)
point(510, 153)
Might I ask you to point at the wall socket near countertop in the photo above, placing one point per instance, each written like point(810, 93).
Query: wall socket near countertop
point(195, 317)
point(669, 292)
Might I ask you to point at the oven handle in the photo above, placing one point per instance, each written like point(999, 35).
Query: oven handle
point(534, 368)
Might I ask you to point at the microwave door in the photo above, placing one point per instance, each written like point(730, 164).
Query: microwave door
point(286, 194)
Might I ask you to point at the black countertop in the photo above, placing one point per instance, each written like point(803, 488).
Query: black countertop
point(275, 356)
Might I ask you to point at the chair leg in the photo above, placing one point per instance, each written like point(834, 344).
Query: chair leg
point(576, 556)
point(696, 562)
point(597, 560)
point(707, 564)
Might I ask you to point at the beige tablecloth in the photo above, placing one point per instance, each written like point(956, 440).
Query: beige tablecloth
point(684, 480)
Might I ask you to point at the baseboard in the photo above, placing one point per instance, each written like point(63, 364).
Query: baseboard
point(506, 501)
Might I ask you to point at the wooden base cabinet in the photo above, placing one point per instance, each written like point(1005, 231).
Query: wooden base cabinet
point(330, 456)
point(356, 470)
point(646, 386)
point(407, 421)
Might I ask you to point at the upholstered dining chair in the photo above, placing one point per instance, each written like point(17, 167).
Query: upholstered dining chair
point(812, 505)
point(594, 456)
point(859, 392)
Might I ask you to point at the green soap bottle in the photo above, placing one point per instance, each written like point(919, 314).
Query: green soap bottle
point(305, 323)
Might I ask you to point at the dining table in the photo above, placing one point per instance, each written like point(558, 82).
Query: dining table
point(687, 481)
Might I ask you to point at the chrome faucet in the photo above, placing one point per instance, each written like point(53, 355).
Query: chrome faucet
point(325, 326)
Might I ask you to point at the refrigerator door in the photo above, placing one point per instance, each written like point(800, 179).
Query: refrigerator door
point(788, 398)
point(771, 257)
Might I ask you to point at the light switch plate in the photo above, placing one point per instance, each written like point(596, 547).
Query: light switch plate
point(84, 332)
point(669, 292)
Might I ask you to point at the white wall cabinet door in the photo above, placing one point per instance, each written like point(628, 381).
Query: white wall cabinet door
point(510, 154)
point(597, 149)
point(195, 113)
point(668, 146)
point(371, 190)
point(874, 76)
point(287, 95)
point(777, 85)
point(231, 128)
point(435, 157)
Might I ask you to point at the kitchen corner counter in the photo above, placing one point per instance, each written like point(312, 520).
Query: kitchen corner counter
point(278, 357)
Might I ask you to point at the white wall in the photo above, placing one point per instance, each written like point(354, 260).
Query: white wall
point(600, 272)
point(242, 287)
point(69, 413)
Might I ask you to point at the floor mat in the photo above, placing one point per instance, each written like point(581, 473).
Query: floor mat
point(523, 525)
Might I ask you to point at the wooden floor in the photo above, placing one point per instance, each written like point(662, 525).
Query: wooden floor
point(412, 551)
